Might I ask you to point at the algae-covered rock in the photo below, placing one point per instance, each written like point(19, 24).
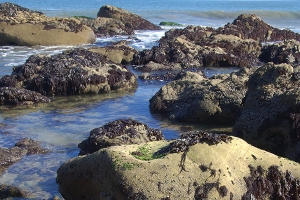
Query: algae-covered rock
point(119, 132)
point(195, 98)
point(204, 171)
point(269, 117)
point(75, 71)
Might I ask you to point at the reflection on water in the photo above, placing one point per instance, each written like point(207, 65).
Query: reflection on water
point(63, 124)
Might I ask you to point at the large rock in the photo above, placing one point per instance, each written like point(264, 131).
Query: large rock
point(130, 20)
point(76, 71)
point(194, 98)
point(21, 26)
point(235, 45)
point(232, 170)
point(16, 97)
point(119, 132)
point(270, 115)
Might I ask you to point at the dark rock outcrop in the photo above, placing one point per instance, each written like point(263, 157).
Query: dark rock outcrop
point(194, 98)
point(16, 97)
point(248, 26)
point(235, 45)
point(71, 72)
point(269, 117)
point(118, 132)
point(286, 51)
point(130, 20)
point(21, 26)
point(107, 27)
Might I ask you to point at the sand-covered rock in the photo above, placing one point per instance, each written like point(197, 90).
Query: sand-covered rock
point(75, 71)
point(232, 170)
point(119, 52)
point(24, 27)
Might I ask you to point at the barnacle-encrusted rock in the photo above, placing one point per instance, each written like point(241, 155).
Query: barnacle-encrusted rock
point(193, 97)
point(75, 71)
point(16, 97)
point(269, 115)
point(119, 132)
point(202, 171)
point(237, 44)
point(21, 26)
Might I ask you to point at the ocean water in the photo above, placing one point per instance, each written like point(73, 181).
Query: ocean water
point(61, 125)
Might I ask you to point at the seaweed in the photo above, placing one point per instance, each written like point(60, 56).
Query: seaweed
point(271, 184)
point(194, 137)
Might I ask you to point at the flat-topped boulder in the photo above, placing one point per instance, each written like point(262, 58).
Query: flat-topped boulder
point(76, 71)
point(24, 27)
point(213, 167)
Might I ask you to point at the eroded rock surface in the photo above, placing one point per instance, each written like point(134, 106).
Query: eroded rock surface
point(193, 97)
point(269, 117)
point(119, 132)
point(24, 27)
point(203, 171)
point(71, 72)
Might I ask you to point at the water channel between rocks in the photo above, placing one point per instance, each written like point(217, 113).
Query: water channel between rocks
point(63, 124)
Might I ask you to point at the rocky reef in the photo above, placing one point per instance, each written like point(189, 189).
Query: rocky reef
point(237, 44)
